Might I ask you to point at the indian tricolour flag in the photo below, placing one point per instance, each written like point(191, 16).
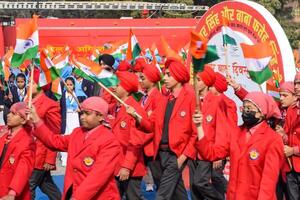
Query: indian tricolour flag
point(48, 71)
point(257, 58)
point(27, 42)
point(90, 70)
point(134, 48)
point(228, 36)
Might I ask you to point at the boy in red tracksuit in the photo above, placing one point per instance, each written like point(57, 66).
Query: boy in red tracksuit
point(292, 149)
point(207, 179)
point(131, 164)
point(16, 156)
point(45, 159)
point(149, 78)
point(174, 131)
point(93, 153)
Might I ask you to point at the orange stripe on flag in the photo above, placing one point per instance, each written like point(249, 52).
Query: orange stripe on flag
point(94, 67)
point(168, 52)
point(257, 51)
point(24, 31)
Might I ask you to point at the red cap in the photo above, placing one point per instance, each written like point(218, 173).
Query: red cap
point(208, 76)
point(152, 73)
point(95, 104)
point(287, 86)
point(19, 108)
point(220, 83)
point(177, 70)
point(139, 65)
point(297, 77)
point(129, 81)
point(265, 103)
point(124, 66)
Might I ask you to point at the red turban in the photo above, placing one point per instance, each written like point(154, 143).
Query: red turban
point(36, 75)
point(124, 66)
point(177, 70)
point(297, 77)
point(139, 65)
point(287, 86)
point(220, 83)
point(95, 104)
point(129, 81)
point(152, 73)
point(265, 103)
point(208, 76)
point(19, 108)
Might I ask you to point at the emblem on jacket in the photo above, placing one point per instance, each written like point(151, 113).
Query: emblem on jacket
point(11, 159)
point(254, 154)
point(84, 88)
point(88, 161)
point(123, 124)
point(182, 113)
point(209, 118)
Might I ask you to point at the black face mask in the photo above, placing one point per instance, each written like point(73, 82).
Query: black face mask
point(249, 119)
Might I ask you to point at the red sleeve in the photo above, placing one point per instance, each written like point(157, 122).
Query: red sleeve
point(24, 168)
point(134, 148)
point(241, 93)
point(210, 151)
point(55, 142)
point(103, 170)
point(53, 121)
point(274, 159)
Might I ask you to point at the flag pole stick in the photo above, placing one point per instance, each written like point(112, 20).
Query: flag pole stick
point(226, 59)
point(30, 87)
point(116, 97)
point(196, 88)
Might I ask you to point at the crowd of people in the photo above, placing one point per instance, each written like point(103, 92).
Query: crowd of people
point(109, 145)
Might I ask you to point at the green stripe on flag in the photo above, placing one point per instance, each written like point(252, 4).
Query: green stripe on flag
point(136, 51)
point(80, 73)
point(228, 40)
point(18, 59)
point(260, 76)
point(109, 81)
point(210, 56)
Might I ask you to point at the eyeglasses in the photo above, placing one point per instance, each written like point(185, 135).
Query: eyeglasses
point(248, 109)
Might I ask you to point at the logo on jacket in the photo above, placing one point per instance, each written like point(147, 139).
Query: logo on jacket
point(123, 124)
point(254, 154)
point(84, 88)
point(209, 118)
point(88, 161)
point(182, 113)
point(11, 159)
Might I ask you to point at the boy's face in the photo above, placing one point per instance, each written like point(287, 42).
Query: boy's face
point(119, 91)
point(14, 120)
point(20, 82)
point(144, 82)
point(170, 81)
point(287, 99)
point(90, 119)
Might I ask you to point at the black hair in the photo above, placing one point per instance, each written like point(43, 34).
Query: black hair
point(21, 75)
point(70, 79)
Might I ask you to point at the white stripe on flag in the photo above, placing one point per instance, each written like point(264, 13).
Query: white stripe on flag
point(23, 45)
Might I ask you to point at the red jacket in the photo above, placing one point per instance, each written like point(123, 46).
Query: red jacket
point(131, 139)
point(91, 161)
point(182, 131)
point(254, 165)
point(49, 111)
point(292, 129)
point(17, 165)
point(150, 105)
